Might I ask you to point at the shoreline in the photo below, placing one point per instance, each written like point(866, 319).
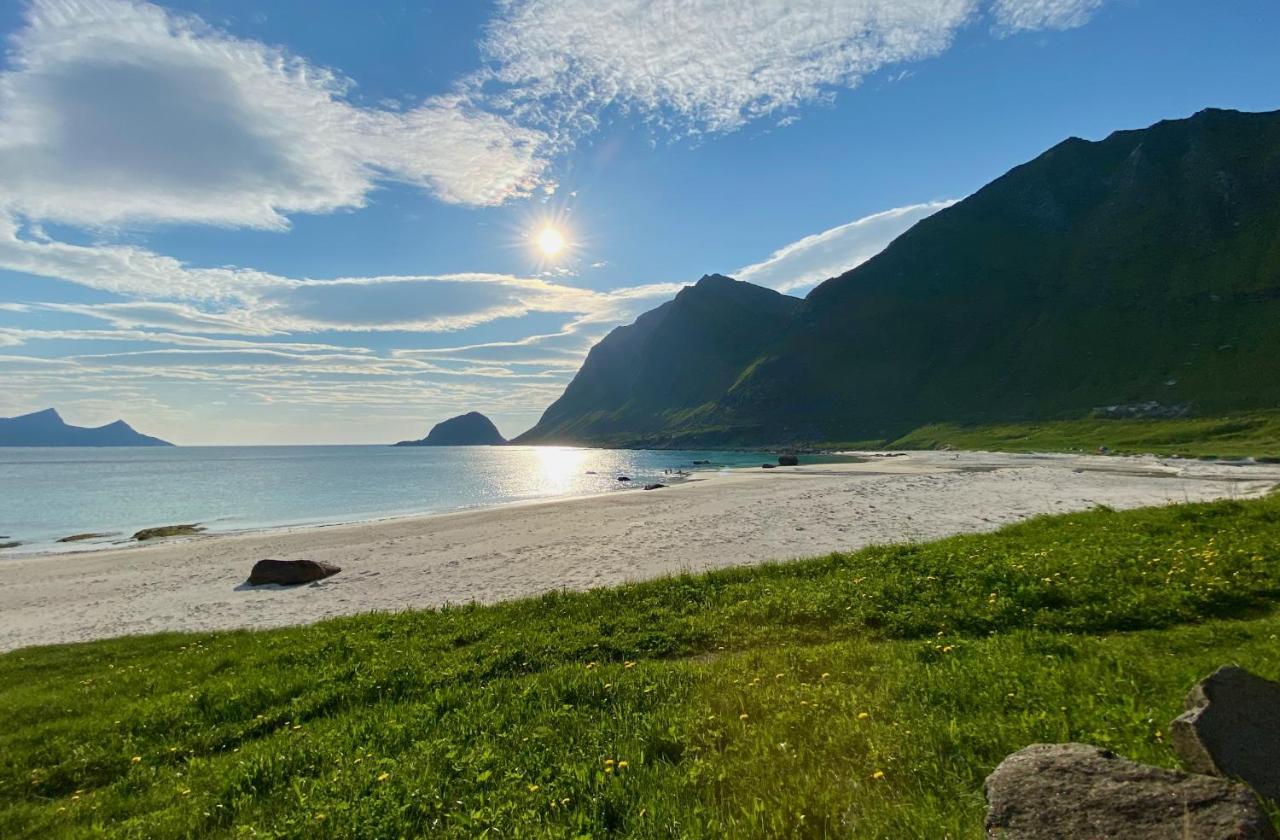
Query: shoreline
point(120, 542)
point(717, 519)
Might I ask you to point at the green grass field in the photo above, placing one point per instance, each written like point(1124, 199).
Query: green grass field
point(1253, 435)
point(857, 695)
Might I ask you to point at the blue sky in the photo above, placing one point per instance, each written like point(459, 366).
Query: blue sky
point(316, 223)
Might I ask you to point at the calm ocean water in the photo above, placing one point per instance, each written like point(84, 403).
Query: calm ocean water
point(47, 493)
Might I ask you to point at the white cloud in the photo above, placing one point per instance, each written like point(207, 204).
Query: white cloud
point(808, 261)
point(247, 301)
point(710, 65)
point(157, 314)
point(116, 111)
point(1024, 15)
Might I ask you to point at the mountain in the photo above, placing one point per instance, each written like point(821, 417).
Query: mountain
point(47, 428)
point(470, 429)
point(1140, 268)
point(666, 370)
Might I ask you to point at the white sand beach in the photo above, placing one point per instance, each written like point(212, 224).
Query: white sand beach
point(716, 520)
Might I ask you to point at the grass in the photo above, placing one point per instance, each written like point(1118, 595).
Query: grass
point(864, 695)
point(1255, 435)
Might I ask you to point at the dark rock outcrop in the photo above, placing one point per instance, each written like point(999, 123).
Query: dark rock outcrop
point(1082, 792)
point(47, 428)
point(87, 536)
point(290, 572)
point(788, 461)
point(655, 486)
point(470, 429)
point(1232, 728)
point(168, 531)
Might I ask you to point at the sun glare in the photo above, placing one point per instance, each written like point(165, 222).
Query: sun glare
point(550, 241)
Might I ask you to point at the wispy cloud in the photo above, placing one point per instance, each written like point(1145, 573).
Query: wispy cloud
point(712, 66)
point(705, 65)
point(1024, 15)
point(809, 261)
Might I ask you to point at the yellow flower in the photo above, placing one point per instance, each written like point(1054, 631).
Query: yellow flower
point(825, 675)
point(863, 715)
point(186, 791)
point(564, 801)
point(383, 776)
point(533, 788)
point(622, 765)
point(628, 665)
point(878, 775)
point(742, 716)
point(137, 759)
point(608, 762)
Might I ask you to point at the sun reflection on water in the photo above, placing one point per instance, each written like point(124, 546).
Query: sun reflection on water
point(560, 467)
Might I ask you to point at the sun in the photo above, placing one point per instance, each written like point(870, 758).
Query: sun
point(550, 241)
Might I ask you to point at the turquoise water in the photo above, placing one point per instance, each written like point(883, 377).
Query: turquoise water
point(47, 493)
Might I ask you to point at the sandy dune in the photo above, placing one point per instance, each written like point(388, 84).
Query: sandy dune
point(723, 519)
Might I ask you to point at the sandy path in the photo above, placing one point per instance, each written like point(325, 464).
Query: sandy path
point(725, 519)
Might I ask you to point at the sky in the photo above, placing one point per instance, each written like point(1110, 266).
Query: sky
point(313, 221)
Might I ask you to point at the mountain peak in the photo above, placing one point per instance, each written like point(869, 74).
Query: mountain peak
point(47, 428)
point(45, 414)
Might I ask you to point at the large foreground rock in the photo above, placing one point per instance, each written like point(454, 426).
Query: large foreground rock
point(1081, 792)
point(290, 572)
point(1232, 728)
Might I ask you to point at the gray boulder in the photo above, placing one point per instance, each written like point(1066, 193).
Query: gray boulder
point(290, 572)
point(1231, 728)
point(1082, 792)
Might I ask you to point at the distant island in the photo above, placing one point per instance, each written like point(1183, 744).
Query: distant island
point(47, 428)
point(470, 429)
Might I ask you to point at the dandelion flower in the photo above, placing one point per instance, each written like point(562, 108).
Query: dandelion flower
point(742, 716)
point(622, 765)
point(383, 776)
point(878, 775)
point(137, 759)
point(533, 788)
point(863, 715)
point(608, 762)
point(628, 665)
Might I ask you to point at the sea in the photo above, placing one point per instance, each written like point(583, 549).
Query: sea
point(50, 493)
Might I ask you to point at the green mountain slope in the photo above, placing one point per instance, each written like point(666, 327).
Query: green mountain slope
point(667, 370)
point(1145, 267)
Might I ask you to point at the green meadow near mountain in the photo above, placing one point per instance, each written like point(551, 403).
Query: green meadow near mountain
point(1141, 269)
